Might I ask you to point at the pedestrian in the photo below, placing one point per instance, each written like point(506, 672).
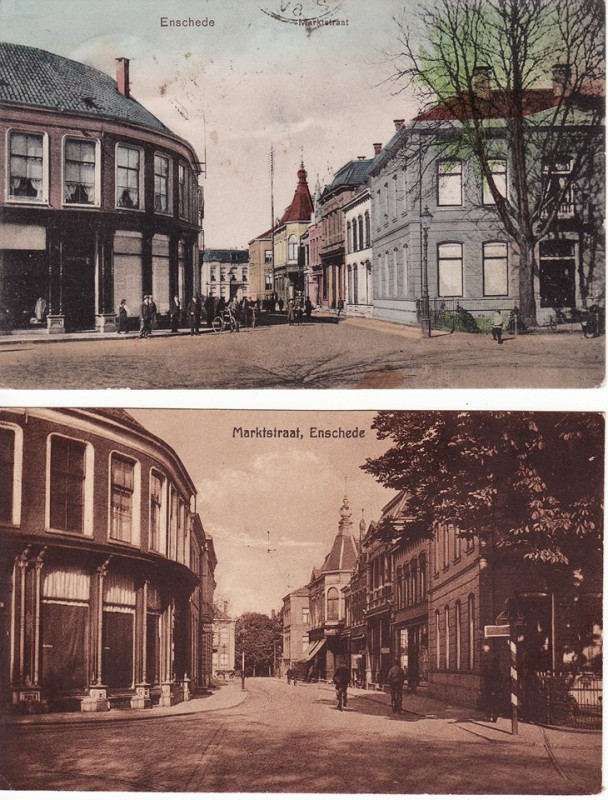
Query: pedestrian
point(176, 313)
point(246, 312)
point(153, 316)
point(497, 327)
point(221, 305)
point(340, 306)
point(193, 316)
point(299, 312)
point(492, 685)
point(308, 309)
point(291, 311)
point(341, 680)
point(144, 318)
point(396, 679)
point(210, 310)
point(289, 674)
point(40, 309)
point(123, 317)
point(281, 304)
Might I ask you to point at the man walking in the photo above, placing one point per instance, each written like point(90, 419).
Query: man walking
point(396, 679)
point(341, 680)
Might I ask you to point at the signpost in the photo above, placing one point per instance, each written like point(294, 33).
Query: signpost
point(509, 631)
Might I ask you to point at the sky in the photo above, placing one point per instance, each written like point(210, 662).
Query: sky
point(261, 495)
point(236, 88)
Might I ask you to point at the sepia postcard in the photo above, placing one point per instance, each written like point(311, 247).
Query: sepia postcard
point(212, 194)
point(394, 602)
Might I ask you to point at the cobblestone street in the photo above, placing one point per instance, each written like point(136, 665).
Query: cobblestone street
point(285, 738)
point(355, 353)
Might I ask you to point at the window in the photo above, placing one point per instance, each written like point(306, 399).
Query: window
point(161, 184)
point(158, 530)
point(471, 609)
point(445, 545)
point(557, 186)
point(183, 195)
point(422, 577)
point(305, 616)
point(498, 169)
point(292, 247)
point(446, 613)
point(67, 483)
point(457, 545)
point(333, 604)
point(414, 581)
point(458, 636)
point(122, 488)
point(267, 256)
point(79, 172)
point(437, 640)
point(304, 642)
point(361, 244)
point(128, 177)
point(495, 269)
point(173, 523)
point(449, 183)
point(349, 244)
point(450, 270)
point(267, 281)
point(399, 588)
point(27, 179)
point(7, 473)
point(368, 237)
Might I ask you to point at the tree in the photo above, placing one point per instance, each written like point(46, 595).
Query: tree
point(453, 51)
point(532, 482)
point(261, 638)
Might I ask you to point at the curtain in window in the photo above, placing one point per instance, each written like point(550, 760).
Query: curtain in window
point(79, 172)
point(67, 484)
point(26, 165)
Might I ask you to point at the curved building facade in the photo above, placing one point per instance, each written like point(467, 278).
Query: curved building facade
point(99, 200)
point(105, 568)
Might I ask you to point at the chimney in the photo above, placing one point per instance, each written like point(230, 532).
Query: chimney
point(398, 124)
point(361, 158)
point(481, 83)
point(226, 608)
point(122, 76)
point(562, 87)
point(377, 148)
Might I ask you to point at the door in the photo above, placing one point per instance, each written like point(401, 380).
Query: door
point(64, 642)
point(118, 649)
point(557, 274)
point(78, 286)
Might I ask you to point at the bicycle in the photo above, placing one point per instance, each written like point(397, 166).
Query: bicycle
point(225, 321)
point(341, 697)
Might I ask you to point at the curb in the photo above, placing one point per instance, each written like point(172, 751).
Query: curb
point(123, 715)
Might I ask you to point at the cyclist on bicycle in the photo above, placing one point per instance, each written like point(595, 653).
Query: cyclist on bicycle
point(396, 679)
point(341, 680)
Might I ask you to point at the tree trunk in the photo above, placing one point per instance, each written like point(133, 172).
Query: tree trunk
point(527, 301)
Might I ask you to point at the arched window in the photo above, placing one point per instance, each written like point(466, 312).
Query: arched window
point(446, 612)
point(422, 579)
point(471, 609)
point(399, 588)
point(355, 238)
point(361, 244)
point(437, 640)
point(407, 586)
point(349, 246)
point(292, 247)
point(413, 578)
point(368, 237)
point(458, 636)
point(333, 602)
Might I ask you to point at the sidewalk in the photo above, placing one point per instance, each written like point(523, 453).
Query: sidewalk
point(475, 723)
point(226, 696)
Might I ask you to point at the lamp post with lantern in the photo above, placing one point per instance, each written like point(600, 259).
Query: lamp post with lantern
point(425, 320)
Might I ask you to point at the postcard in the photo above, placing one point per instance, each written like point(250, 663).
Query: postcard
point(394, 602)
point(301, 194)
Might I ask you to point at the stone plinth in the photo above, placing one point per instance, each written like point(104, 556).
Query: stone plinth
point(97, 699)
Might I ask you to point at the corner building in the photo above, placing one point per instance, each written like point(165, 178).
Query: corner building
point(99, 200)
point(104, 566)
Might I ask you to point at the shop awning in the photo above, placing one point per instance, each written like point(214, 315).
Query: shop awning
point(313, 649)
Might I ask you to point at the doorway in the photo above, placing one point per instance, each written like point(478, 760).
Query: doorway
point(78, 262)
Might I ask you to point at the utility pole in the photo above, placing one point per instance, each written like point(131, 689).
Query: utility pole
point(272, 213)
point(243, 670)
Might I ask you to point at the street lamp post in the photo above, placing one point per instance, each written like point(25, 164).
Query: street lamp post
point(425, 320)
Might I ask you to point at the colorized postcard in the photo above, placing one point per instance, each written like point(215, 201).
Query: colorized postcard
point(394, 602)
point(302, 194)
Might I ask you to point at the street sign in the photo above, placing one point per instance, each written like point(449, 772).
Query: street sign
point(496, 631)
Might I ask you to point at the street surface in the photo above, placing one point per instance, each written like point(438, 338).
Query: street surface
point(284, 738)
point(356, 353)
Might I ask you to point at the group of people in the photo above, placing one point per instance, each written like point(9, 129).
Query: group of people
point(396, 678)
point(292, 675)
point(296, 310)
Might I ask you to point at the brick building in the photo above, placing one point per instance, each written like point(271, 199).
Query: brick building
point(100, 200)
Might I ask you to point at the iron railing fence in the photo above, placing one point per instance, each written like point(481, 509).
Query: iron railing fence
point(573, 700)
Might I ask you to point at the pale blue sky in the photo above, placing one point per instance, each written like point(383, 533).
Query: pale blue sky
point(253, 79)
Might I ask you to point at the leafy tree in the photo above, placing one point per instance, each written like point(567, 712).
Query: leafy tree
point(532, 481)
point(260, 636)
point(444, 49)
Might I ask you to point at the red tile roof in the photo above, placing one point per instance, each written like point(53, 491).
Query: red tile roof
point(301, 207)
